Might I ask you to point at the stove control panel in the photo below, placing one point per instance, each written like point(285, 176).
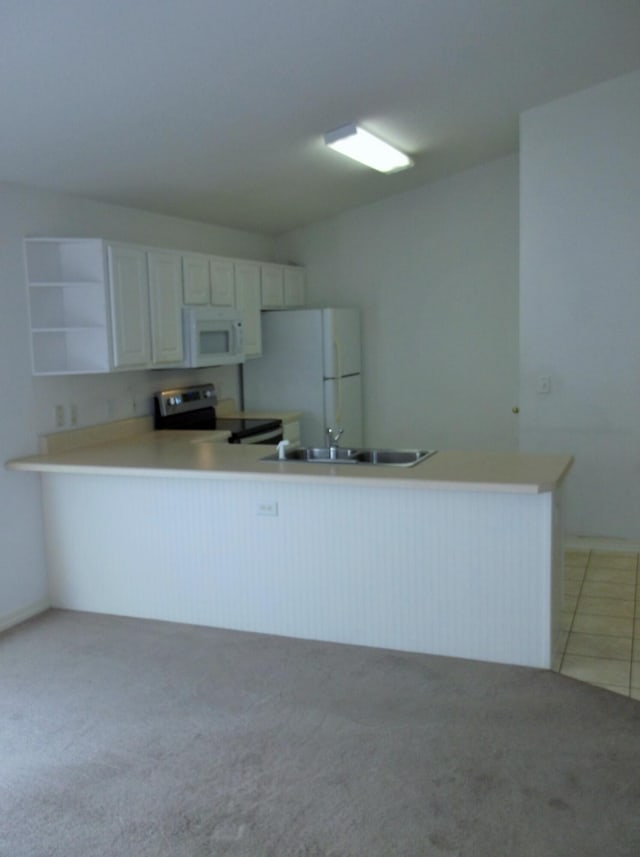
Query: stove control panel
point(194, 398)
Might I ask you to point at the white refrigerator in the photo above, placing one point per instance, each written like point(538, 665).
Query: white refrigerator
point(310, 363)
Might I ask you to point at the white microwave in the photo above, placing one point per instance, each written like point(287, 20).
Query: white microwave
point(212, 337)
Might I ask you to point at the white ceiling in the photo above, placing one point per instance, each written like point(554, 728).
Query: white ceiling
point(214, 110)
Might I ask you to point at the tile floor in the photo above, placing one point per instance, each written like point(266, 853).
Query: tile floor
point(600, 642)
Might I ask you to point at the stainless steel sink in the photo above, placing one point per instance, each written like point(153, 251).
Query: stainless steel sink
point(344, 455)
point(319, 454)
point(397, 457)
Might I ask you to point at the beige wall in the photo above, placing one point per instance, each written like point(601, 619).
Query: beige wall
point(29, 401)
point(435, 272)
point(580, 298)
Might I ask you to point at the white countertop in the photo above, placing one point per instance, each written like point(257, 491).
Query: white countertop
point(201, 455)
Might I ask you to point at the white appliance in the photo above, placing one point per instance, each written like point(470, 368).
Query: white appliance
point(310, 363)
point(212, 337)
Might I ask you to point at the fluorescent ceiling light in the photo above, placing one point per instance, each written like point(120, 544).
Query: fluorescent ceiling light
point(356, 143)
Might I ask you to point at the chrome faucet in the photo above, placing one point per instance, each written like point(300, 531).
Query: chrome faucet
point(333, 436)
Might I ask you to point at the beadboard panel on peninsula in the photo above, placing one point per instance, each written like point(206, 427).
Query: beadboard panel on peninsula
point(467, 574)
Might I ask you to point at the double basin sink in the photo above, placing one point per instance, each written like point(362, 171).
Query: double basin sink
point(344, 455)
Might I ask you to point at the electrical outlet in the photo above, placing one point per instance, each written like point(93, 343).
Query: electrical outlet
point(73, 414)
point(58, 415)
point(267, 509)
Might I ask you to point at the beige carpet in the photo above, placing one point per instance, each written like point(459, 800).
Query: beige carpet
point(127, 737)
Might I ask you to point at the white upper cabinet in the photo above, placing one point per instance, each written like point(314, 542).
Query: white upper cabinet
point(222, 281)
point(293, 285)
point(247, 300)
point(165, 305)
point(99, 307)
point(281, 286)
point(130, 306)
point(195, 279)
point(207, 280)
point(271, 286)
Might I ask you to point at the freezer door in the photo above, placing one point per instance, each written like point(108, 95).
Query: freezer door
point(288, 376)
point(341, 342)
point(343, 409)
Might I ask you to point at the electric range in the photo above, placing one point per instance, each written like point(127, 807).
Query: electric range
point(193, 409)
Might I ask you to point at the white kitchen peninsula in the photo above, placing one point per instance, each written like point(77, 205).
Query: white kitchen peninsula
point(459, 555)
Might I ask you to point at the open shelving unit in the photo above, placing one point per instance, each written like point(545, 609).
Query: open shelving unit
point(69, 316)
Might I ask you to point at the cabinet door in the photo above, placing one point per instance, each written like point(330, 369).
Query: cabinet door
point(222, 280)
point(129, 307)
point(293, 286)
point(271, 286)
point(165, 301)
point(195, 279)
point(247, 293)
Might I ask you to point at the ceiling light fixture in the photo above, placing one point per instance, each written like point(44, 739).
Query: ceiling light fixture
point(362, 146)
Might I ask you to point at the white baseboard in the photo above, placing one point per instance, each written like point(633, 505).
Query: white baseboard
point(8, 620)
point(590, 543)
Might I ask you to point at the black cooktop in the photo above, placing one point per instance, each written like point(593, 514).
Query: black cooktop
point(240, 426)
point(206, 419)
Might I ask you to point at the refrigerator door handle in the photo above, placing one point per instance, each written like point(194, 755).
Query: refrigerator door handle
point(336, 348)
point(335, 377)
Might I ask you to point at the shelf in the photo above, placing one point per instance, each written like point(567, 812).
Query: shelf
point(65, 285)
point(73, 371)
point(73, 329)
point(67, 306)
point(64, 260)
point(71, 350)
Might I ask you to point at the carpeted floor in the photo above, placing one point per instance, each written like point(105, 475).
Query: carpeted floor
point(127, 738)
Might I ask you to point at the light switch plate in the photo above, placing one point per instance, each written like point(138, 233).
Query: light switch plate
point(544, 384)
